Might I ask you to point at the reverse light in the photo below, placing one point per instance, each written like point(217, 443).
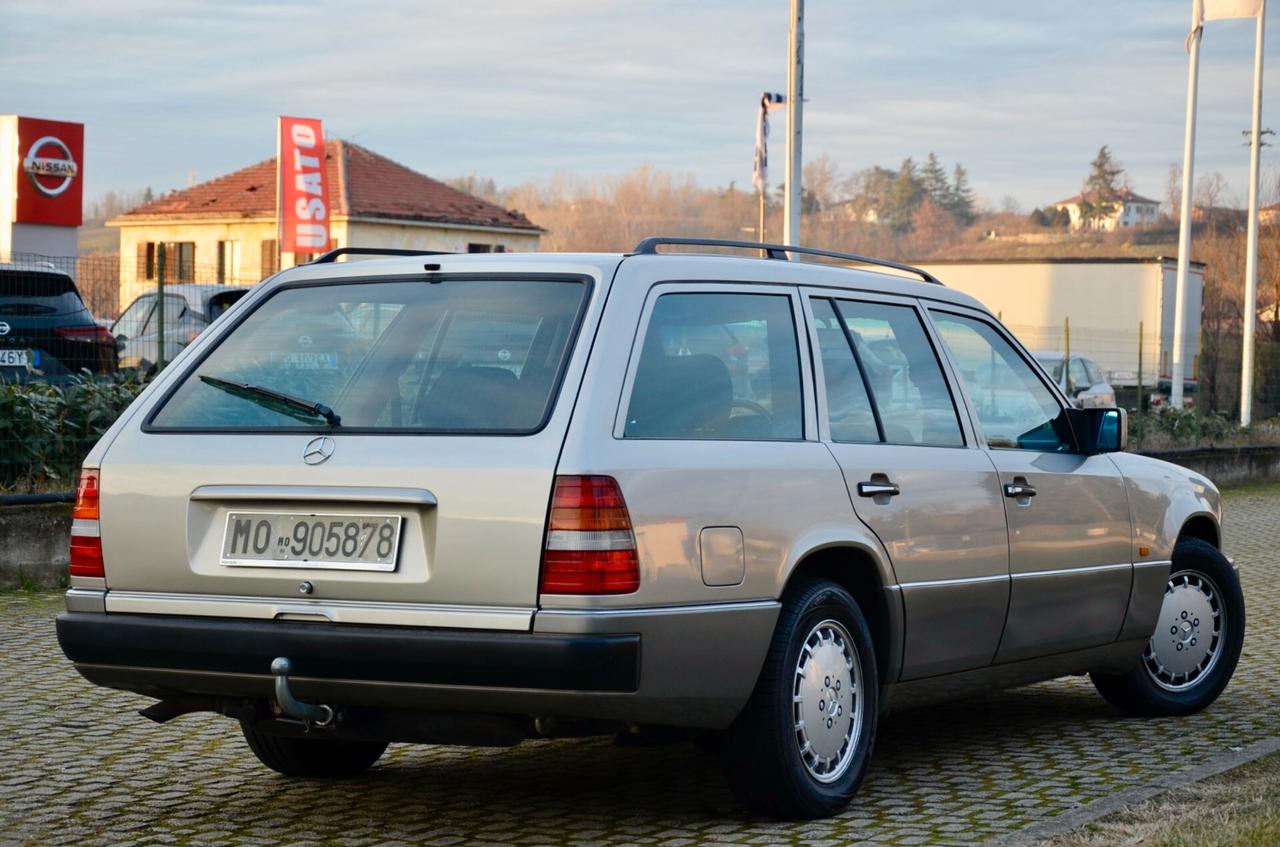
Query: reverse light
point(590, 547)
point(86, 539)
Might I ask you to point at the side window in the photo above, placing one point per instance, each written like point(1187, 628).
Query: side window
point(1017, 411)
point(902, 370)
point(718, 366)
point(848, 405)
point(130, 323)
point(1095, 375)
point(1079, 378)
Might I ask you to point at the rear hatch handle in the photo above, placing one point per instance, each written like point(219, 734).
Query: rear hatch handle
point(420, 497)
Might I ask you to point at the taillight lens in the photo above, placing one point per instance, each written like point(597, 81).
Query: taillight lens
point(85, 333)
point(590, 547)
point(86, 539)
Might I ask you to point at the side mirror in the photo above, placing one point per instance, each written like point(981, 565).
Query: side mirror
point(1099, 430)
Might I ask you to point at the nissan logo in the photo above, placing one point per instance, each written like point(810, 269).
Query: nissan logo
point(36, 166)
point(318, 450)
point(4, 328)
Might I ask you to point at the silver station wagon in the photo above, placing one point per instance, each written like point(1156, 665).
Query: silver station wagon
point(742, 499)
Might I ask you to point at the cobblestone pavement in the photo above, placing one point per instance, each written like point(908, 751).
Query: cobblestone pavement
point(78, 766)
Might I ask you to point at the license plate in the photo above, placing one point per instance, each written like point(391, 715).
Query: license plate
point(311, 540)
point(15, 358)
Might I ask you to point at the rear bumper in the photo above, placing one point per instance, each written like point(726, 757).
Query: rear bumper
point(356, 653)
point(691, 666)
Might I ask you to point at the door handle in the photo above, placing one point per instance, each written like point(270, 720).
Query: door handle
point(1019, 489)
point(872, 489)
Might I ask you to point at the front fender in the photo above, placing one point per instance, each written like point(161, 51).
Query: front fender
point(1163, 498)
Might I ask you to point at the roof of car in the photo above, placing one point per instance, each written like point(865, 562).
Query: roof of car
point(673, 266)
point(197, 291)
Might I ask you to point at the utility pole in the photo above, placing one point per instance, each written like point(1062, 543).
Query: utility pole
point(1251, 254)
point(1184, 228)
point(795, 122)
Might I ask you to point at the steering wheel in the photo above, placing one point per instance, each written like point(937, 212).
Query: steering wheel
point(752, 406)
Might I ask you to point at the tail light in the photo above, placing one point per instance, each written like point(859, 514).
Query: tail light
point(85, 333)
point(590, 547)
point(86, 539)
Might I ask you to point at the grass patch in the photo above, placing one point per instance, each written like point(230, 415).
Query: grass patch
point(1240, 808)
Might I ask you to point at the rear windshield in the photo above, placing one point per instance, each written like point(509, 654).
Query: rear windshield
point(481, 356)
point(37, 293)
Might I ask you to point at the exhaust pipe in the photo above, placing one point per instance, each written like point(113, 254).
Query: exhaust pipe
point(311, 714)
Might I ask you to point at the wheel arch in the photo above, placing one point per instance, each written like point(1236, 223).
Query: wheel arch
point(1202, 526)
point(865, 575)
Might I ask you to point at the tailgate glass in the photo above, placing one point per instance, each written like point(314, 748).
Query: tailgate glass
point(458, 355)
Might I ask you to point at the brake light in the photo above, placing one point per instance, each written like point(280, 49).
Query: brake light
point(86, 539)
point(85, 333)
point(590, 547)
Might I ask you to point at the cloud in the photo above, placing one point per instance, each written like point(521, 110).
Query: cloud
point(1022, 94)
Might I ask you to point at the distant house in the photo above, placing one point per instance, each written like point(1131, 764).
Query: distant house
point(225, 231)
point(1269, 215)
point(1126, 209)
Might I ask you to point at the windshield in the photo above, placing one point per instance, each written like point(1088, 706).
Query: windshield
point(451, 356)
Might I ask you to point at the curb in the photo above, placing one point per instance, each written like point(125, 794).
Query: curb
point(1213, 766)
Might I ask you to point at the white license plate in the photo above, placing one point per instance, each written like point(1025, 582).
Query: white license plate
point(15, 358)
point(311, 540)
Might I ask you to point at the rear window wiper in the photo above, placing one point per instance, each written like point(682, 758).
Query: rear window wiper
point(286, 404)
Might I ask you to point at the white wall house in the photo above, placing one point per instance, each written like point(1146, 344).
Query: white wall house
point(1127, 209)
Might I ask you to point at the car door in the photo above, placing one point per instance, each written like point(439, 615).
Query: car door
point(1070, 554)
point(914, 474)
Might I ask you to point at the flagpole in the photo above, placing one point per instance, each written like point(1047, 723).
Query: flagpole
point(795, 106)
point(1251, 256)
point(1184, 223)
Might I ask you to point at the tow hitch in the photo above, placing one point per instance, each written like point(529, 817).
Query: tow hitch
point(311, 714)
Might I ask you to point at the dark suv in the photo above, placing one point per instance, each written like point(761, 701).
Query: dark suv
point(46, 331)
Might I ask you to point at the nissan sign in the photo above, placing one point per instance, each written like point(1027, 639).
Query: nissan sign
point(50, 172)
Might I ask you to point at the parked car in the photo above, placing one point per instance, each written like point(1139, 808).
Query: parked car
point(46, 331)
point(1083, 381)
point(753, 500)
point(189, 308)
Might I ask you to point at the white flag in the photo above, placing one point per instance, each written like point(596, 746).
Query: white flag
point(1216, 10)
point(760, 170)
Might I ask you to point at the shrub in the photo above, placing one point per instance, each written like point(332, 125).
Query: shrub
point(46, 429)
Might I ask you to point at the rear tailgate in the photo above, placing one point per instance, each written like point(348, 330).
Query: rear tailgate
point(214, 504)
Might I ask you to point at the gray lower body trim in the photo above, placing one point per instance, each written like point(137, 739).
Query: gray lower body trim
point(1145, 599)
point(86, 600)
point(1068, 609)
point(1117, 657)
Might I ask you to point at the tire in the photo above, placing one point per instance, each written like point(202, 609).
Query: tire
point(1172, 678)
point(313, 758)
point(820, 627)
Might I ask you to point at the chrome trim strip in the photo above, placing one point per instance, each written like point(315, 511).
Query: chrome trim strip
point(1073, 571)
point(327, 494)
point(86, 600)
point(968, 580)
point(736, 606)
point(1159, 563)
point(934, 583)
point(339, 611)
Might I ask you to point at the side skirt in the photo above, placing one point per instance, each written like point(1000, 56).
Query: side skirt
point(1117, 657)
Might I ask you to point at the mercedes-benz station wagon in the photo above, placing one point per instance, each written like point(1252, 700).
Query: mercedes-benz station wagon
point(745, 499)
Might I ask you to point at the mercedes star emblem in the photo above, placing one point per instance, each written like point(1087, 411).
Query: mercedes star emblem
point(318, 450)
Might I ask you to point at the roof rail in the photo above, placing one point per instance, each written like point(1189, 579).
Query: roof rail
point(332, 256)
point(649, 247)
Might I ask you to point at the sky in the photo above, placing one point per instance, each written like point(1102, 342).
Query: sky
point(1022, 93)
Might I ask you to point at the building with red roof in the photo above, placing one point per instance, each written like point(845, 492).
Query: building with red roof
point(1124, 208)
point(224, 230)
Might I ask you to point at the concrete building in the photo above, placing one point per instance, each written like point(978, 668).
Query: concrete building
point(1095, 305)
point(1125, 209)
point(225, 230)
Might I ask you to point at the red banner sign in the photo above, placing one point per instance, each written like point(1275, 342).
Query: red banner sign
point(50, 183)
point(304, 187)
